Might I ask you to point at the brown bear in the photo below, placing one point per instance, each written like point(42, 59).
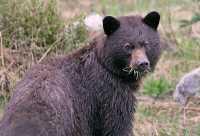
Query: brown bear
point(90, 91)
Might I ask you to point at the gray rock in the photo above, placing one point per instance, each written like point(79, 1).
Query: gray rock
point(188, 86)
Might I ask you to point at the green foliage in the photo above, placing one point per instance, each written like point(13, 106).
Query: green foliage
point(36, 24)
point(30, 21)
point(156, 87)
point(186, 132)
point(198, 130)
point(3, 100)
point(76, 34)
point(189, 50)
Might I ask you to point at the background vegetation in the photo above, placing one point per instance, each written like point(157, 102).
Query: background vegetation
point(31, 30)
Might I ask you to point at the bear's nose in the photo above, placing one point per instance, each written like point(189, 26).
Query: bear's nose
point(143, 65)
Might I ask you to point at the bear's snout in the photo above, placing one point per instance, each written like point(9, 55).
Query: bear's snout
point(139, 60)
point(143, 65)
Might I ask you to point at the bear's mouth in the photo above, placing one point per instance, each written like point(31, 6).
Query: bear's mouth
point(136, 72)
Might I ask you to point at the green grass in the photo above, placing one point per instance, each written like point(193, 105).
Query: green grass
point(76, 34)
point(36, 24)
point(189, 50)
point(156, 87)
point(186, 132)
point(120, 7)
point(198, 130)
point(30, 22)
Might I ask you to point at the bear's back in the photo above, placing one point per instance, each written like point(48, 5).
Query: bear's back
point(41, 98)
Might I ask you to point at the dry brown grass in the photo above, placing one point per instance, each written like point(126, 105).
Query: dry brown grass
point(166, 118)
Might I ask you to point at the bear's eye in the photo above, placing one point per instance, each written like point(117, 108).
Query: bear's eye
point(128, 46)
point(144, 43)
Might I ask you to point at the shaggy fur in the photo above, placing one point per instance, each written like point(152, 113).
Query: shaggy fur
point(85, 93)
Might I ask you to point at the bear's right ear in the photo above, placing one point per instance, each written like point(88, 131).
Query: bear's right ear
point(110, 25)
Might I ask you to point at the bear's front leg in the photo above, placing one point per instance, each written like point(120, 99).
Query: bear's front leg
point(117, 124)
point(117, 118)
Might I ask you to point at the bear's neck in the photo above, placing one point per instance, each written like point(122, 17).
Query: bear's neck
point(95, 75)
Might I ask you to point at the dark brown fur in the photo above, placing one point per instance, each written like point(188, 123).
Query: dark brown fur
point(84, 93)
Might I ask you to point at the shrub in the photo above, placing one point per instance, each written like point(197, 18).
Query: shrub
point(37, 24)
point(156, 87)
point(30, 21)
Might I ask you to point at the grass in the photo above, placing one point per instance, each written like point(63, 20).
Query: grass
point(198, 130)
point(120, 7)
point(156, 87)
point(32, 30)
point(30, 22)
point(163, 117)
point(155, 118)
point(37, 24)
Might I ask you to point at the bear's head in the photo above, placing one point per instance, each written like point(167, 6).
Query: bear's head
point(131, 46)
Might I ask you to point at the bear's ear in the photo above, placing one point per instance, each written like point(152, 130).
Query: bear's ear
point(152, 19)
point(110, 25)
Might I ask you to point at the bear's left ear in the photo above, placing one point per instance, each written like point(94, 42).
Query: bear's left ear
point(152, 19)
point(110, 25)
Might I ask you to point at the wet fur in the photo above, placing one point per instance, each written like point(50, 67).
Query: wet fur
point(80, 94)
